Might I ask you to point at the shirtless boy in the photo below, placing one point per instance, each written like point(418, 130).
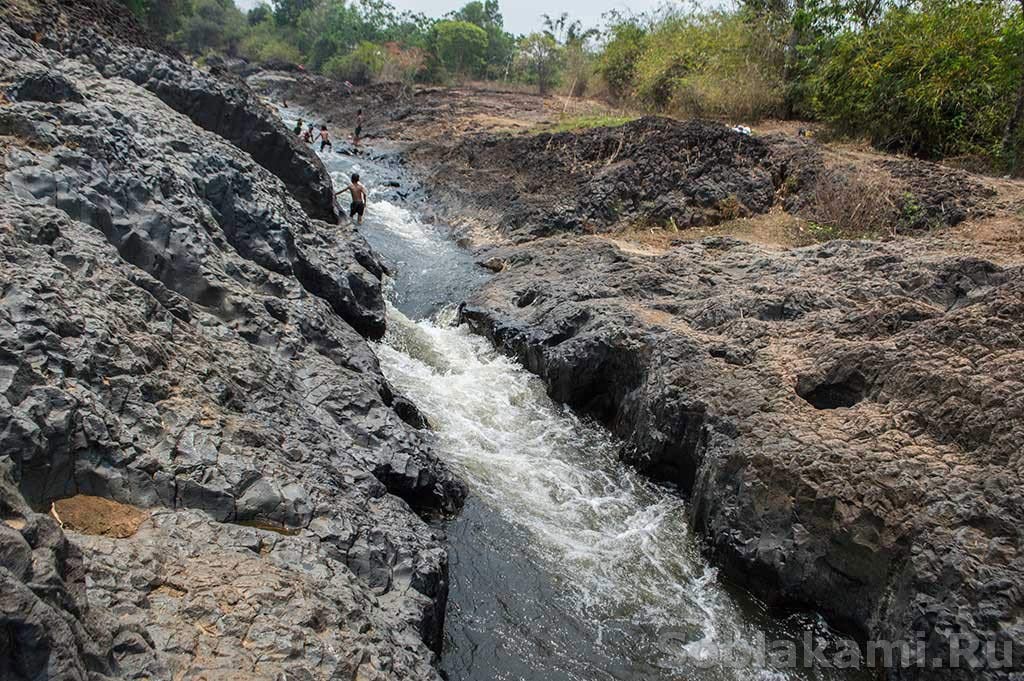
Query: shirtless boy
point(358, 192)
point(359, 128)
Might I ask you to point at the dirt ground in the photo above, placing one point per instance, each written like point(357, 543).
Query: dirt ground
point(398, 113)
point(98, 516)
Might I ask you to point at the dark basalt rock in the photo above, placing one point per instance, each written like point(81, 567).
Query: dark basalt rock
point(178, 335)
point(663, 172)
point(860, 453)
point(43, 87)
point(49, 631)
point(101, 31)
point(228, 109)
point(50, 22)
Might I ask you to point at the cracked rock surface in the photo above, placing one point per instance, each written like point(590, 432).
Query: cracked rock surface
point(663, 172)
point(847, 419)
point(177, 335)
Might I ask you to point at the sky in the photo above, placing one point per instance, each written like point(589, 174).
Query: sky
point(523, 16)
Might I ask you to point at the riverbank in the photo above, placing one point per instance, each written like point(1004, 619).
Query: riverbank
point(841, 416)
point(205, 473)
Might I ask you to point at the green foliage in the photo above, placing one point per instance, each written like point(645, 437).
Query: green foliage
point(617, 64)
point(165, 17)
point(460, 47)
point(540, 58)
point(270, 50)
point(500, 44)
point(286, 12)
point(359, 66)
point(213, 24)
point(711, 64)
point(938, 79)
point(137, 7)
point(258, 14)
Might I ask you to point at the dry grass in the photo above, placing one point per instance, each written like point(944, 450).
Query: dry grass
point(586, 122)
point(855, 203)
point(775, 229)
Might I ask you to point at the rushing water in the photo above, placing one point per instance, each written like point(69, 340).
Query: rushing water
point(565, 564)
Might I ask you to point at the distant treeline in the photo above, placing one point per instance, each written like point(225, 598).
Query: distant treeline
point(936, 78)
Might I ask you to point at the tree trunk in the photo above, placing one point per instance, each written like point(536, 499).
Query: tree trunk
point(788, 76)
point(1009, 149)
point(1012, 125)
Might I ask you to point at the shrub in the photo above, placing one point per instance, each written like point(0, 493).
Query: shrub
point(617, 64)
point(855, 203)
point(460, 47)
point(934, 80)
point(360, 66)
point(402, 65)
point(719, 64)
point(278, 50)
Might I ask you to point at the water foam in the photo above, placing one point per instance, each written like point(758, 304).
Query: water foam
point(619, 544)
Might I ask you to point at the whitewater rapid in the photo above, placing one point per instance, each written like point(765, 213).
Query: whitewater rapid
point(565, 563)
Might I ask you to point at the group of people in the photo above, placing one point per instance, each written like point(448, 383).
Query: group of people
point(310, 133)
point(355, 188)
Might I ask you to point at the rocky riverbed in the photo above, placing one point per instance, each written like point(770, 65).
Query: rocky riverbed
point(845, 418)
point(205, 473)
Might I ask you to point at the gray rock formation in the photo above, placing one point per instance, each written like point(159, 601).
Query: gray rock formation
point(847, 419)
point(102, 32)
point(657, 171)
point(227, 108)
point(176, 334)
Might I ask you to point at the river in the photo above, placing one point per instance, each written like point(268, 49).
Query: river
point(565, 564)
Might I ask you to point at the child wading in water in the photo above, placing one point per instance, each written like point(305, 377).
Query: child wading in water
point(325, 138)
point(358, 192)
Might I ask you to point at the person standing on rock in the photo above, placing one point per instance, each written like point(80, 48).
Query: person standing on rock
point(359, 128)
point(309, 134)
point(358, 192)
point(325, 138)
point(298, 128)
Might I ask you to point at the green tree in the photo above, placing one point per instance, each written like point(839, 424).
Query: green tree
point(214, 25)
point(286, 12)
point(460, 47)
point(165, 17)
point(258, 14)
point(1011, 133)
point(540, 56)
point(617, 63)
point(500, 44)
